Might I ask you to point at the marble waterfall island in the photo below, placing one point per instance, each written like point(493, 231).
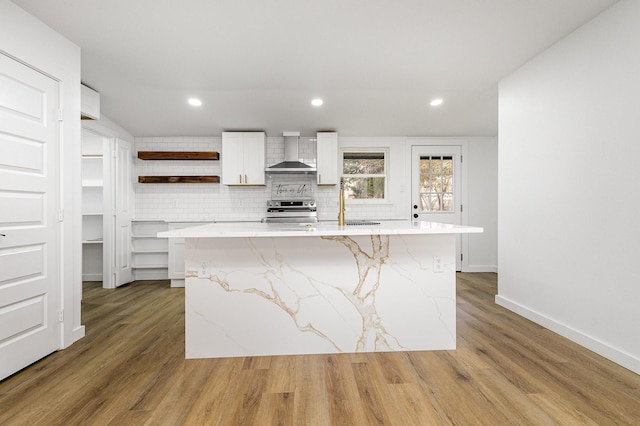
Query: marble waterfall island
point(281, 289)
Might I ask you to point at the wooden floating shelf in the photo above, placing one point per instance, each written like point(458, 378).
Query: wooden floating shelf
point(178, 155)
point(179, 179)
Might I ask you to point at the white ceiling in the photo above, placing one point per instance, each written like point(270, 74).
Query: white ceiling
point(257, 64)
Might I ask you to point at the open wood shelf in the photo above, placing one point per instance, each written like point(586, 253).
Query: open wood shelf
point(178, 155)
point(179, 179)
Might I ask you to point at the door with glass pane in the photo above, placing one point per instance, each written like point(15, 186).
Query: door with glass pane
point(435, 187)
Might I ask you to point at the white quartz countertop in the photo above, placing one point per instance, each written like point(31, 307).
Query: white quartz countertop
point(321, 229)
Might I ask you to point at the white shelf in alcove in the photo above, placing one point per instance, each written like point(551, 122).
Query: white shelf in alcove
point(92, 214)
point(159, 266)
point(149, 251)
point(92, 242)
point(92, 184)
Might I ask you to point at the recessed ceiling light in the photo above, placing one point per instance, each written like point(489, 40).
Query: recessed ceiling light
point(436, 102)
point(194, 102)
point(317, 102)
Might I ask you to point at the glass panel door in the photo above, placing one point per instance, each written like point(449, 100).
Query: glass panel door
point(435, 187)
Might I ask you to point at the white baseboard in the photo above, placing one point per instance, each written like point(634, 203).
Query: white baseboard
point(92, 277)
point(624, 359)
point(149, 274)
point(78, 333)
point(480, 268)
point(177, 283)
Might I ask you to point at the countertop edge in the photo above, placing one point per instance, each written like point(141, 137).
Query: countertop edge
point(244, 230)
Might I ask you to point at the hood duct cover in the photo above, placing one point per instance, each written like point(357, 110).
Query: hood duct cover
point(291, 163)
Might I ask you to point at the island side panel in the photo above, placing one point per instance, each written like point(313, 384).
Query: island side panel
point(312, 295)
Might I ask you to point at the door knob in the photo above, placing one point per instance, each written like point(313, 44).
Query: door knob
point(3, 235)
point(415, 206)
point(415, 215)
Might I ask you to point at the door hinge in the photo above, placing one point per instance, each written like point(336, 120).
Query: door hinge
point(461, 257)
point(60, 215)
point(61, 315)
point(59, 114)
point(461, 158)
point(461, 208)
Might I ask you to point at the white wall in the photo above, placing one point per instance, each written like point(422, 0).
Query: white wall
point(30, 41)
point(195, 202)
point(482, 205)
point(568, 198)
point(108, 128)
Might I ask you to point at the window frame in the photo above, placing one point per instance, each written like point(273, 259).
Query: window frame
point(452, 192)
point(386, 175)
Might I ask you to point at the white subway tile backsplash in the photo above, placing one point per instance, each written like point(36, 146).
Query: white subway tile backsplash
point(186, 202)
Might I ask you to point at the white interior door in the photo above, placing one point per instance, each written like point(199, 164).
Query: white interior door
point(29, 182)
point(122, 190)
point(436, 187)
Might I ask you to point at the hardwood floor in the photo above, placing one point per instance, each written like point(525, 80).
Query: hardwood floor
point(130, 370)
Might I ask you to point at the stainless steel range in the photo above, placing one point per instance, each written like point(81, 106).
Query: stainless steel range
point(291, 211)
point(292, 200)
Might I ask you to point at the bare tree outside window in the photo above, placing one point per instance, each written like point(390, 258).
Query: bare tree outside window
point(365, 175)
point(436, 183)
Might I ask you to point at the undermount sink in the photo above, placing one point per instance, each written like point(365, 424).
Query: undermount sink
point(360, 222)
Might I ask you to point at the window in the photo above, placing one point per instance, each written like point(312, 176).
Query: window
point(436, 183)
point(365, 174)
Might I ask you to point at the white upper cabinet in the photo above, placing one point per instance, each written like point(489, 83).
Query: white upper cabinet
point(243, 158)
point(90, 103)
point(327, 158)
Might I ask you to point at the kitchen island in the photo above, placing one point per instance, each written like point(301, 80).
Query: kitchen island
point(280, 289)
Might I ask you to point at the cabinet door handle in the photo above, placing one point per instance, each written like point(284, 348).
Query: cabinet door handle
point(240, 177)
point(319, 179)
point(245, 179)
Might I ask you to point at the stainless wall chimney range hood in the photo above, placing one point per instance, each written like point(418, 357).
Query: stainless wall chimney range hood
point(291, 163)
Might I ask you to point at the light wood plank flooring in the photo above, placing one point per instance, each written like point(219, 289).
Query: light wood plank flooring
point(130, 370)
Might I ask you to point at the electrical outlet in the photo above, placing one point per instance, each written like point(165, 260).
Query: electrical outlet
point(438, 267)
point(204, 271)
